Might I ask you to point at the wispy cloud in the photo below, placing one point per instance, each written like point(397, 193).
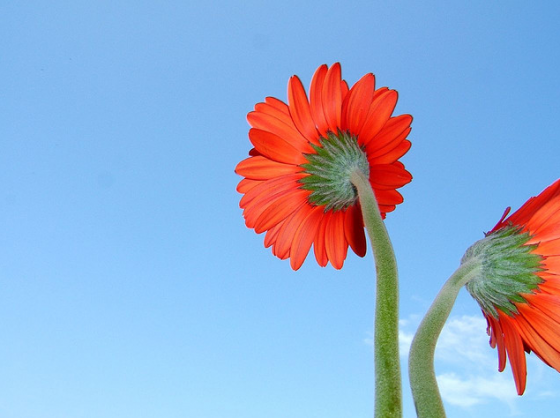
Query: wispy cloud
point(465, 338)
point(467, 368)
point(467, 391)
point(465, 365)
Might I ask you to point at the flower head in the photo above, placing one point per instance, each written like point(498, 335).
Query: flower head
point(518, 288)
point(296, 182)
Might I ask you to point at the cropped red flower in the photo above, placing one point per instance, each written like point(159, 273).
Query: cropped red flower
point(530, 318)
point(295, 185)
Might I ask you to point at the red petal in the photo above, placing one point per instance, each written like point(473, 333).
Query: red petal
point(549, 247)
point(269, 188)
point(392, 155)
point(299, 109)
point(288, 132)
point(383, 144)
point(550, 231)
point(271, 236)
point(265, 108)
point(551, 263)
point(536, 342)
point(357, 104)
point(343, 89)
point(547, 214)
point(273, 111)
point(497, 339)
point(384, 209)
point(247, 184)
point(280, 208)
point(379, 112)
point(388, 176)
point(275, 147)
point(335, 241)
point(319, 242)
point(261, 168)
point(388, 197)
point(551, 284)
point(278, 104)
point(332, 97)
point(526, 212)
point(545, 325)
point(289, 229)
point(354, 230)
point(304, 237)
point(394, 131)
point(316, 102)
point(516, 353)
point(263, 196)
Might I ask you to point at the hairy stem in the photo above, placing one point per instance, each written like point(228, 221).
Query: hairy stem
point(425, 391)
point(388, 396)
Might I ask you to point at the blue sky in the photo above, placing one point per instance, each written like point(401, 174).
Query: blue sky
point(129, 285)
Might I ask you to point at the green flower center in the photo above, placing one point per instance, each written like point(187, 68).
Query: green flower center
point(509, 270)
point(330, 168)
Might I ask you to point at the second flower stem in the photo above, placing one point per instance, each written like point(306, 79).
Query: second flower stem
point(423, 383)
point(388, 392)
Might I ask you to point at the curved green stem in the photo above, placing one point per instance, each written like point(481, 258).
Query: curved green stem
point(388, 397)
point(425, 392)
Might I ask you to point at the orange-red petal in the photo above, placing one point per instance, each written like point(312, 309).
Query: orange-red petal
point(516, 353)
point(357, 104)
point(288, 132)
point(379, 112)
point(319, 244)
point(304, 237)
point(335, 241)
point(289, 229)
point(316, 100)
point(282, 134)
point(276, 148)
point(262, 168)
point(332, 97)
point(393, 132)
point(392, 155)
point(354, 230)
point(278, 104)
point(300, 111)
point(388, 176)
point(280, 208)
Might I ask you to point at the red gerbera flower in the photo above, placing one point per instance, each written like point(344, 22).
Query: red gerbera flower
point(519, 287)
point(297, 185)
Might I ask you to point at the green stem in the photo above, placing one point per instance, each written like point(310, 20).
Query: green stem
point(388, 397)
point(421, 372)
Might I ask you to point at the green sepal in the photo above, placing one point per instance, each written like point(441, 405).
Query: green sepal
point(330, 168)
point(509, 270)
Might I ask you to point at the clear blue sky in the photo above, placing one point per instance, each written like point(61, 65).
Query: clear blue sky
point(129, 285)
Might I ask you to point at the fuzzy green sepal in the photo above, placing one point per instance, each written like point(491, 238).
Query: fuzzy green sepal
point(509, 270)
point(330, 168)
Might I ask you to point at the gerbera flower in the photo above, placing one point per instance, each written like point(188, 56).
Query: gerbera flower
point(297, 185)
point(518, 288)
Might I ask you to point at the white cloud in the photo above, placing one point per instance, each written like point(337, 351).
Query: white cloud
point(473, 390)
point(466, 366)
point(465, 338)
point(405, 339)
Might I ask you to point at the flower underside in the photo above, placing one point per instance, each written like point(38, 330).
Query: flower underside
point(509, 270)
point(329, 169)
